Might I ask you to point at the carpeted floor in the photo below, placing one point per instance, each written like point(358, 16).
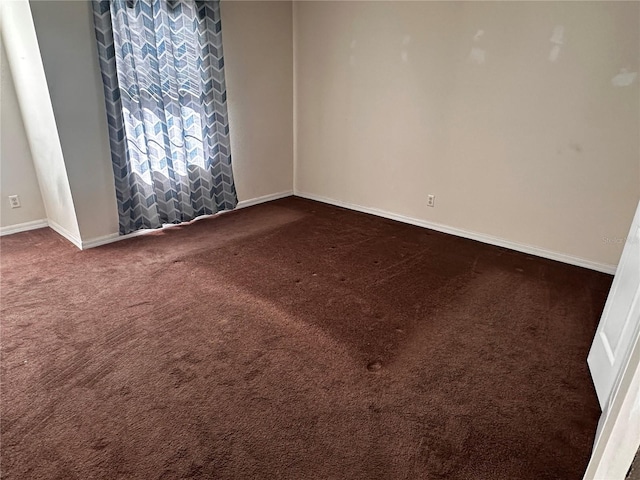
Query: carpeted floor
point(294, 340)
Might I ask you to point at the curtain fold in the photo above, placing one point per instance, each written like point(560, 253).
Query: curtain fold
point(163, 72)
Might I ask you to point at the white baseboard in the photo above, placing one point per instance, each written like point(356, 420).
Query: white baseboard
point(65, 233)
point(24, 227)
point(480, 237)
point(264, 198)
point(115, 237)
point(500, 242)
point(104, 239)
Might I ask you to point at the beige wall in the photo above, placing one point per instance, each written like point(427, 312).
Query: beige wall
point(258, 56)
point(17, 175)
point(23, 54)
point(534, 144)
point(67, 44)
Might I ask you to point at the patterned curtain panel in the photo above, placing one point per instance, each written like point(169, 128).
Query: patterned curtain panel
point(163, 74)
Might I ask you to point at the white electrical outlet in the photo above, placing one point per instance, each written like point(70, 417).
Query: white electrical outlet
point(14, 201)
point(431, 201)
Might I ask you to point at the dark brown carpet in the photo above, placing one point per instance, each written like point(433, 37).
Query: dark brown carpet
point(294, 340)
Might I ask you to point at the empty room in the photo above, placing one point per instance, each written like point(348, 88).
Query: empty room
point(319, 240)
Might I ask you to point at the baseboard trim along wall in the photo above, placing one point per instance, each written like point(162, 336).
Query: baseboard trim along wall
point(24, 227)
point(264, 198)
point(114, 237)
point(65, 233)
point(480, 237)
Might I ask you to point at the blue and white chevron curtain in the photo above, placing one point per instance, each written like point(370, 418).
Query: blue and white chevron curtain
point(163, 73)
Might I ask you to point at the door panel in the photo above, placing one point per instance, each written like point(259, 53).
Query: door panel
point(620, 321)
